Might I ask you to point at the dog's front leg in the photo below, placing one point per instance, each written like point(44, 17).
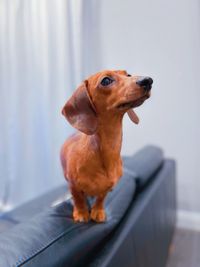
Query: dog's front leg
point(98, 213)
point(80, 211)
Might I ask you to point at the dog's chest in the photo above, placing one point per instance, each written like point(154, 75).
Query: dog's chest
point(96, 181)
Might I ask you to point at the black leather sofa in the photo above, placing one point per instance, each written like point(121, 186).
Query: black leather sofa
point(141, 216)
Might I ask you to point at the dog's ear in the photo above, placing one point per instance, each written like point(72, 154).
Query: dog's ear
point(80, 111)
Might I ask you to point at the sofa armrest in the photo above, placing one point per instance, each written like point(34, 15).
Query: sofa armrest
point(52, 238)
point(144, 164)
point(144, 235)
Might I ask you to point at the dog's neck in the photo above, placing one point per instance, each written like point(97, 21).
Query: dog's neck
point(109, 134)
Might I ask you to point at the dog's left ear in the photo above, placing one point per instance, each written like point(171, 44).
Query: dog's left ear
point(80, 111)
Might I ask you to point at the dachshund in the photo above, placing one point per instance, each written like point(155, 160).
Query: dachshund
point(90, 158)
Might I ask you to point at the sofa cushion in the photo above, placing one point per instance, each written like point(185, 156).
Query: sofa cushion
point(144, 164)
point(52, 238)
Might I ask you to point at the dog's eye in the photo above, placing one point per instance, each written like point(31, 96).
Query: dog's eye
point(106, 81)
point(129, 75)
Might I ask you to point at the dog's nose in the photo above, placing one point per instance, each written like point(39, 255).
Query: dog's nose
point(145, 82)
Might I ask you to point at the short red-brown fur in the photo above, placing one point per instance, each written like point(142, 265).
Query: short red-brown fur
point(92, 163)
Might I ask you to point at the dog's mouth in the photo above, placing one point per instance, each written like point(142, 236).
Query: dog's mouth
point(132, 104)
point(129, 105)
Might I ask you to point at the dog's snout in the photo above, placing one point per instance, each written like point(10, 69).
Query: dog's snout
point(145, 82)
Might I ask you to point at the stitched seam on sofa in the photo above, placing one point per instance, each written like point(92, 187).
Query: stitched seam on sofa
point(44, 246)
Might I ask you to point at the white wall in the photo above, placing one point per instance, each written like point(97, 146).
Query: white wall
point(161, 39)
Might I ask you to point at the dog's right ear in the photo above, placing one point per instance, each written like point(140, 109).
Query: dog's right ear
point(80, 111)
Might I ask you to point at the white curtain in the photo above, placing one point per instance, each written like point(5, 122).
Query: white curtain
point(46, 48)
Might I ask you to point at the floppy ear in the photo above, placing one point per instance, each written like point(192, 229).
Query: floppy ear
point(80, 111)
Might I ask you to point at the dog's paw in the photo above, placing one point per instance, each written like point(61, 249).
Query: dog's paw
point(98, 215)
point(81, 215)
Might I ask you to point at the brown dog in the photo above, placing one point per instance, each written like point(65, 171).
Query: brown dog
point(91, 158)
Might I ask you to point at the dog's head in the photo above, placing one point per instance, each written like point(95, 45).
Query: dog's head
point(106, 92)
